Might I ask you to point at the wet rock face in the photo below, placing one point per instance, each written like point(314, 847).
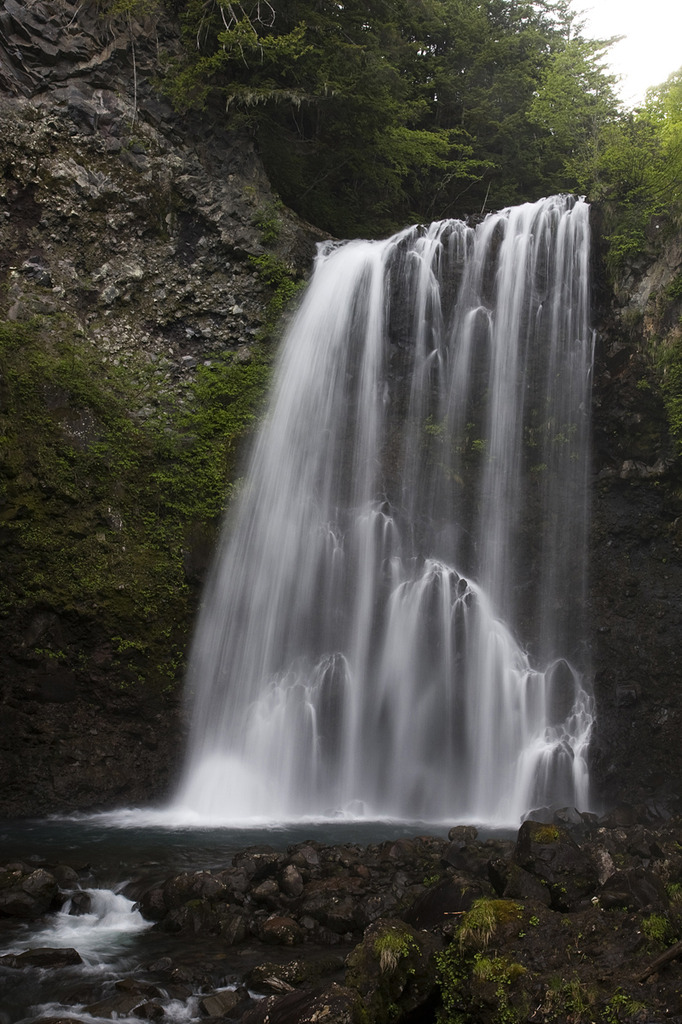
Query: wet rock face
point(135, 227)
point(636, 542)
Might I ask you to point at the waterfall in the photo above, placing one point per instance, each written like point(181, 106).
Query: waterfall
point(394, 626)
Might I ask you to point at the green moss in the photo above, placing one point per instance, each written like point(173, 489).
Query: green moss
point(268, 221)
point(100, 503)
point(658, 929)
point(383, 969)
point(674, 891)
point(546, 834)
point(673, 291)
point(670, 367)
point(275, 273)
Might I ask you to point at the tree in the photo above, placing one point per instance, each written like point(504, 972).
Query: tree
point(574, 105)
point(372, 114)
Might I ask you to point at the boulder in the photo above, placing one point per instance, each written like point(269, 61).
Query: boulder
point(258, 862)
point(27, 896)
point(281, 931)
point(393, 969)
point(282, 977)
point(223, 1003)
point(291, 881)
point(441, 905)
point(335, 1004)
point(549, 853)
point(44, 957)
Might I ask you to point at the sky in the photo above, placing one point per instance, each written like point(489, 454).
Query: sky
point(652, 49)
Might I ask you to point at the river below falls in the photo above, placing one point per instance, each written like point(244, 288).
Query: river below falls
point(114, 941)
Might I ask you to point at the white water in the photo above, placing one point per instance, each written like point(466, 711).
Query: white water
point(97, 935)
point(394, 625)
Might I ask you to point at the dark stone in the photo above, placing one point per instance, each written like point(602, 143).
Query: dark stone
point(634, 889)
point(498, 873)
point(306, 856)
point(224, 1003)
point(267, 893)
point(371, 908)
point(291, 881)
point(441, 903)
point(548, 853)
point(150, 1011)
point(463, 834)
point(66, 877)
point(522, 885)
point(27, 896)
point(153, 905)
point(196, 886)
point(281, 977)
point(44, 957)
point(281, 931)
point(258, 862)
point(333, 1005)
point(80, 903)
point(120, 1005)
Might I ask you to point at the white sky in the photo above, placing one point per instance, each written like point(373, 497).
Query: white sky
point(652, 49)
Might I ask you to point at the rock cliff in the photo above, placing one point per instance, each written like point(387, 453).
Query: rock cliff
point(636, 566)
point(139, 255)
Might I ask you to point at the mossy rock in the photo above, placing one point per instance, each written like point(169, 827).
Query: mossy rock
point(393, 969)
point(549, 853)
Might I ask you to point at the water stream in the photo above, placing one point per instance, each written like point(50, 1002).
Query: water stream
point(117, 855)
point(395, 623)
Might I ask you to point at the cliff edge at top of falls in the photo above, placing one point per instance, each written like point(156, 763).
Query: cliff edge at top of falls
point(143, 259)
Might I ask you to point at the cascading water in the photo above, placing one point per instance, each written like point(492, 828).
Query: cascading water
point(394, 625)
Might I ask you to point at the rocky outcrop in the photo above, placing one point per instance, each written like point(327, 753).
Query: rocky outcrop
point(604, 946)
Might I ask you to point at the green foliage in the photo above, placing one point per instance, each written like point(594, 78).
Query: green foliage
point(658, 929)
point(569, 999)
point(480, 922)
point(670, 368)
point(452, 975)
point(468, 982)
point(674, 290)
point(499, 974)
point(100, 503)
point(371, 115)
point(621, 1007)
point(275, 272)
point(268, 222)
point(674, 891)
point(637, 169)
point(574, 104)
point(391, 946)
point(203, 442)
